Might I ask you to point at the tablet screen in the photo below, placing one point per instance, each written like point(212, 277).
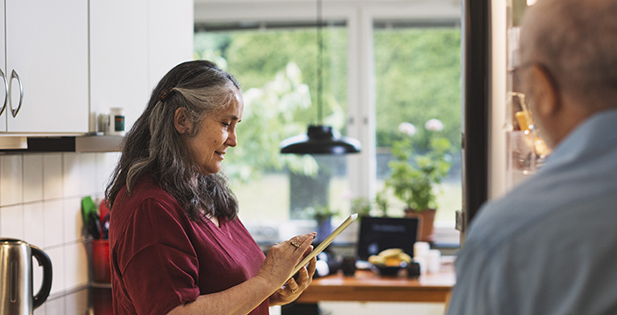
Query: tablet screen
point(350, 219)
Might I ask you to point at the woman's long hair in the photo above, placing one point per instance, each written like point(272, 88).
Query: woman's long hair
point(153, 146)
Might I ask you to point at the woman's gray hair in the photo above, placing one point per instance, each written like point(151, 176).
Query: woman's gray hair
point(153, 146)
point(576, 41)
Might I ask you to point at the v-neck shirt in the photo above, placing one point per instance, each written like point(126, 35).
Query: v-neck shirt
point(161, 259)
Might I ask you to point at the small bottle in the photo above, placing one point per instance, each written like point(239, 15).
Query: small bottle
point(115, 122)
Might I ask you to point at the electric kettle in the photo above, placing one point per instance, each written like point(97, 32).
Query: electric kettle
point(16, 293)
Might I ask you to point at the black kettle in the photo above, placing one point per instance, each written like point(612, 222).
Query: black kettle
point(16, 293)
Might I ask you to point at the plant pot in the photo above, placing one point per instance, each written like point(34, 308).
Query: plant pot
point(427, 219)
point(324, 228)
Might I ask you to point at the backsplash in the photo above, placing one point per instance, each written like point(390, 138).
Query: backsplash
point(40, 202)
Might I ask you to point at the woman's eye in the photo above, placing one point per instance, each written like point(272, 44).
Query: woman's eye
point(226, 124)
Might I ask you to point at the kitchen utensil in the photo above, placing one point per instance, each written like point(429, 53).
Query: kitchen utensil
point(105, 226)
point(16, 296)
point(94, 225)
point(103, 210)
point(87, 207)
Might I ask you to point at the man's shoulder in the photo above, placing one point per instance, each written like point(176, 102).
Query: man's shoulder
point(499, 220)
point(539, 205)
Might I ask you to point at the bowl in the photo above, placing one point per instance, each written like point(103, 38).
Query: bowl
point(388, 271)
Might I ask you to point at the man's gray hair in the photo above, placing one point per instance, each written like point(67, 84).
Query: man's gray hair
point(577, 41)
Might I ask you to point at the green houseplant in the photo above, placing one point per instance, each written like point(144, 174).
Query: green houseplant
point(322, 214)
point(414, 176)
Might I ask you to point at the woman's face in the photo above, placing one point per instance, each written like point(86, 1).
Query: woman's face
point(216, 134)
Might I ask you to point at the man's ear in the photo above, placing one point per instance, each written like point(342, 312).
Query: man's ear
point(546, 96)
point(181, 121)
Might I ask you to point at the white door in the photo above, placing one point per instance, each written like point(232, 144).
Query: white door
point(47, 46)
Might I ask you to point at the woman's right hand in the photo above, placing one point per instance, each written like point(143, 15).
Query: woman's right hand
point(283, 257)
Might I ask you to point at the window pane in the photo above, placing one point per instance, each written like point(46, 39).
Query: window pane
point(417, 79)
point(277, 68)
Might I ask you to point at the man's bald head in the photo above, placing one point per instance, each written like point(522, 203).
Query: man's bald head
point(577, 41)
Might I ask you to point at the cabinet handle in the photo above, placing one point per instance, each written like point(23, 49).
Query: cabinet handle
point(6, 89)
point(14, 75)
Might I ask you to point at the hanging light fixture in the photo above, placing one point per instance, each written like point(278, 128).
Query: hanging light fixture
point(320, 139)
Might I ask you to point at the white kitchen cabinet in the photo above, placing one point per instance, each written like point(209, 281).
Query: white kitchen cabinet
point(132, 45)
point(47, 46)
point(119, 58)
point(170, 36)
point(5, 75)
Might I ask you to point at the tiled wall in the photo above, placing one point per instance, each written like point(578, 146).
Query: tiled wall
point(40, 202)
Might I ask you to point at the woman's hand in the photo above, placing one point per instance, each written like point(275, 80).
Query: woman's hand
point(292, 290)
point(280, 262)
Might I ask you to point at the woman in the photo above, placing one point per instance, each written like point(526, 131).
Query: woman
point(177, 246)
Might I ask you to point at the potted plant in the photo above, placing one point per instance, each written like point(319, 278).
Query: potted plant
point(381, 201)
point(361, 206)
point(323, 217)
point(414, 177)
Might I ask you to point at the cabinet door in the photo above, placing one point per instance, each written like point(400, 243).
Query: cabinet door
point(3, 95)
point(118, 58)
point(47, 46)
point(170, 36)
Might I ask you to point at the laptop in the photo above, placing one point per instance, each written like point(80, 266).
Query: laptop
point(380, 233)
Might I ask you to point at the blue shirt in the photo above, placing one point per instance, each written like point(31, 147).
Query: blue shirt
point(550, 245)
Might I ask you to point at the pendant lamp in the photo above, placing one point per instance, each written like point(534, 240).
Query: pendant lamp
point(320, 139)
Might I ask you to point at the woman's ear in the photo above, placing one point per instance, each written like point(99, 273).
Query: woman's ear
point(182, 123)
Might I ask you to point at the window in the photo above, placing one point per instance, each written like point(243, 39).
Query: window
point(383, 64)
point(418, 78)
point(276, 64)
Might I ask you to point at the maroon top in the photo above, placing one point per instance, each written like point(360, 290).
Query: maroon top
point(161, 259)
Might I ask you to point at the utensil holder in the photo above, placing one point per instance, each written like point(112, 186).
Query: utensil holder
point(100, 261)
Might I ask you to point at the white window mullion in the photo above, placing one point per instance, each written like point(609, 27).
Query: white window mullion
point(361, 106)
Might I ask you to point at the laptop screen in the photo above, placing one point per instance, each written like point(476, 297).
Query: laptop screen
point(378, 234)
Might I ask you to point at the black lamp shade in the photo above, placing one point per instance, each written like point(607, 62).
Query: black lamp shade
point(320, 140)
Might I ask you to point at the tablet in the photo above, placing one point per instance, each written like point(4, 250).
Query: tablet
point(350, 219)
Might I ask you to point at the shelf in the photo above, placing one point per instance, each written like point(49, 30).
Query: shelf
point(89, 143)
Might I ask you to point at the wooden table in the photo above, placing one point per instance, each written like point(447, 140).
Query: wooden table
point(366, 286)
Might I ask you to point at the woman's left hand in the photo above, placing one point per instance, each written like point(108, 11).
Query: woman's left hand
point(294, 287)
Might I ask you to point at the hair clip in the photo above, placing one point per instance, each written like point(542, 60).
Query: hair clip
point(166, 93)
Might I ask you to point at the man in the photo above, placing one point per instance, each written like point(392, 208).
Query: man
point(550, 246)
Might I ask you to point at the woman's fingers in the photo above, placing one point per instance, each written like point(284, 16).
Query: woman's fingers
point(302, 241)
point(305, 275)
point(311, 267)
point(284, 256)
point(292, 285)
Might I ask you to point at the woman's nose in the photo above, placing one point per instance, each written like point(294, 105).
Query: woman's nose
point(232, 139)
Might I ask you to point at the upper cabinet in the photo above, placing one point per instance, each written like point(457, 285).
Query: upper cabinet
point(46, 66)
point(132, 45)
point(118, 57)
point(4, 76)
point(170, 36)
point(66, 62)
